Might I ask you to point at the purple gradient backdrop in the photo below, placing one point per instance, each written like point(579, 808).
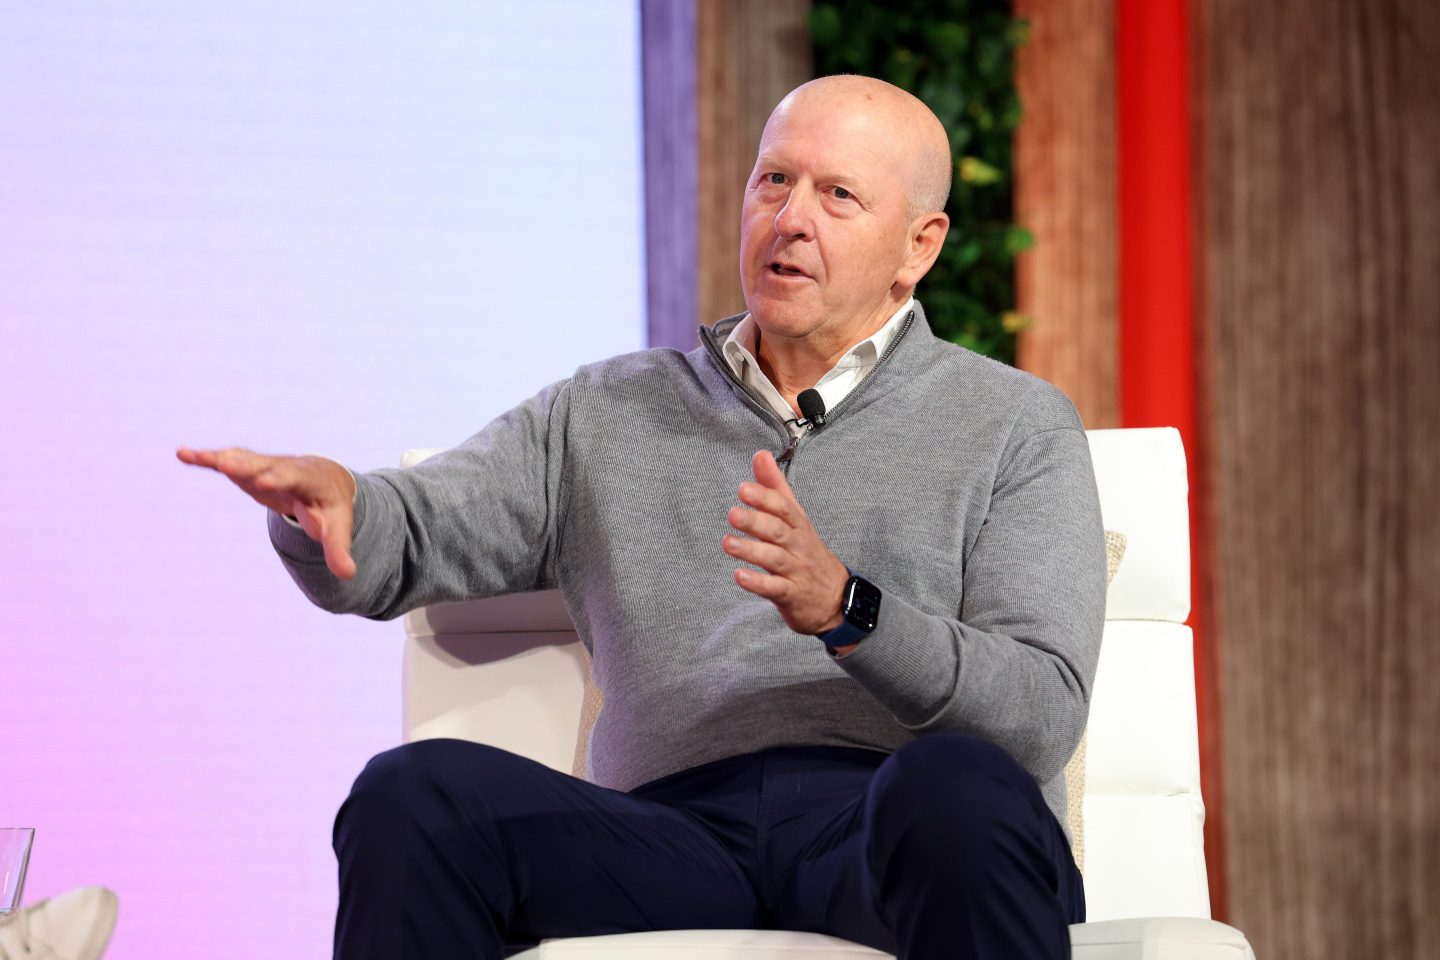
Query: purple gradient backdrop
point(339, 227)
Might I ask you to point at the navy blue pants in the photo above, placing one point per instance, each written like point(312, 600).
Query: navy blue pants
point(944, 848)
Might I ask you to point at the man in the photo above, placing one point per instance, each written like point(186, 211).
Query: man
point(896, 781)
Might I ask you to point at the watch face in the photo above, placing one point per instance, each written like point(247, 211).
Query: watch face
point(862, 603)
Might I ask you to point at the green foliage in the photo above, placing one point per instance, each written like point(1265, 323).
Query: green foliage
point(959, 57)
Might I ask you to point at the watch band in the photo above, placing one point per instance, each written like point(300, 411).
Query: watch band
point(843, 635)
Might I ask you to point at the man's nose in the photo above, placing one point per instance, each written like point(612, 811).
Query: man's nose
point(796, 220)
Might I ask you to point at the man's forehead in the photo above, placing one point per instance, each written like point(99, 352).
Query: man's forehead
point(833, 156)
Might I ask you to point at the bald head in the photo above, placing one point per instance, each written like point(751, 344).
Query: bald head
point(898, 123)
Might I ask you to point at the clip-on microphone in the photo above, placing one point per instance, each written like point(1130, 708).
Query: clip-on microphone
point(812, 406)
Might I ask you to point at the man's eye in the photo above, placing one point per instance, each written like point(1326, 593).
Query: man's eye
point(842, 194)
point(775, 178)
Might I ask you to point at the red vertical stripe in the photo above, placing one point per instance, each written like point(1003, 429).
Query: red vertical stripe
point(1156, 323)
point(1157, 328)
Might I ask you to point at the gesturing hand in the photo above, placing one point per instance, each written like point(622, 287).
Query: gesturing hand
point(319, 493)
point(802, 577)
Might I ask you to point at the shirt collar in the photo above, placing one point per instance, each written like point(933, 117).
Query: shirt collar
point(739, 347)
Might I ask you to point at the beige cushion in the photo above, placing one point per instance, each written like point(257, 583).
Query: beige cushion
point(1074, 770)
point(589, 710)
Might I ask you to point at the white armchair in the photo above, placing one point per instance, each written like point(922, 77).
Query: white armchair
point(511, 672)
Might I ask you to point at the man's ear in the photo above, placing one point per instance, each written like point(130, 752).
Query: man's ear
point(927, 236)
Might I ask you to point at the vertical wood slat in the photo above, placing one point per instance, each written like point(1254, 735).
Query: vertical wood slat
point(1204, 573)
point(1065, 193)
point(750, 53)
point(1322, 292)
point(667, 29)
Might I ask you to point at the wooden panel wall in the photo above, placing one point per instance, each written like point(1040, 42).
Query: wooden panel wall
point(1065, 194)
point(1321, 241)
point(750, 53)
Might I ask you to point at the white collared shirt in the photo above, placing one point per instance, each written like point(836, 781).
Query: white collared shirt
point(834, 386)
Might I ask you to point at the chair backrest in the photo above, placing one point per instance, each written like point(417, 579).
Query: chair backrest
point(510, 671)
point(1144, 817)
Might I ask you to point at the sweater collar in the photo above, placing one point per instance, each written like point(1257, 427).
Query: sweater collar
point(911, 350)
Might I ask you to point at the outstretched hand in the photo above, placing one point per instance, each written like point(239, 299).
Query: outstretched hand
point(317, 492)
point(801, 576)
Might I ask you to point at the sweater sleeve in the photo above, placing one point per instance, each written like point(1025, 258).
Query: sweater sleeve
point(1017, 665)
point(475, 521)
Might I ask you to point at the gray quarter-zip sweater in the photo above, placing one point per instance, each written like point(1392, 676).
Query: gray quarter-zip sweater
point(961, 487)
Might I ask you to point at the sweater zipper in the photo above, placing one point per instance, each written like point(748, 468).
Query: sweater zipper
point(792, 442)
point(793, 447)
point(756, 401)
point(899, 335)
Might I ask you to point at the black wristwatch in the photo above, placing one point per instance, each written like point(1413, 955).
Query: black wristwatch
point(860, 608)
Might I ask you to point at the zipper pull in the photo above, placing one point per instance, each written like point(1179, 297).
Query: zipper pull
point(789, 452)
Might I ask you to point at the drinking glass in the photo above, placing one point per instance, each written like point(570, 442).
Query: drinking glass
point(14, 858)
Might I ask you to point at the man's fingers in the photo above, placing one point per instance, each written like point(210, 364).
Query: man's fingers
point(768, 471)
point(762, 525)
point(769, 475)
point(765, 585)
point(200, 458)
point(774, 559)
point(240, 464)
point(237, 463)
point(276, 479)
point(258, 476)
point(772, 502)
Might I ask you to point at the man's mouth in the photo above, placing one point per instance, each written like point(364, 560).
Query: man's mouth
point(786, 270)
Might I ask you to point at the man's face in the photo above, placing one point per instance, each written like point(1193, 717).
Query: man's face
point(823, 229)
